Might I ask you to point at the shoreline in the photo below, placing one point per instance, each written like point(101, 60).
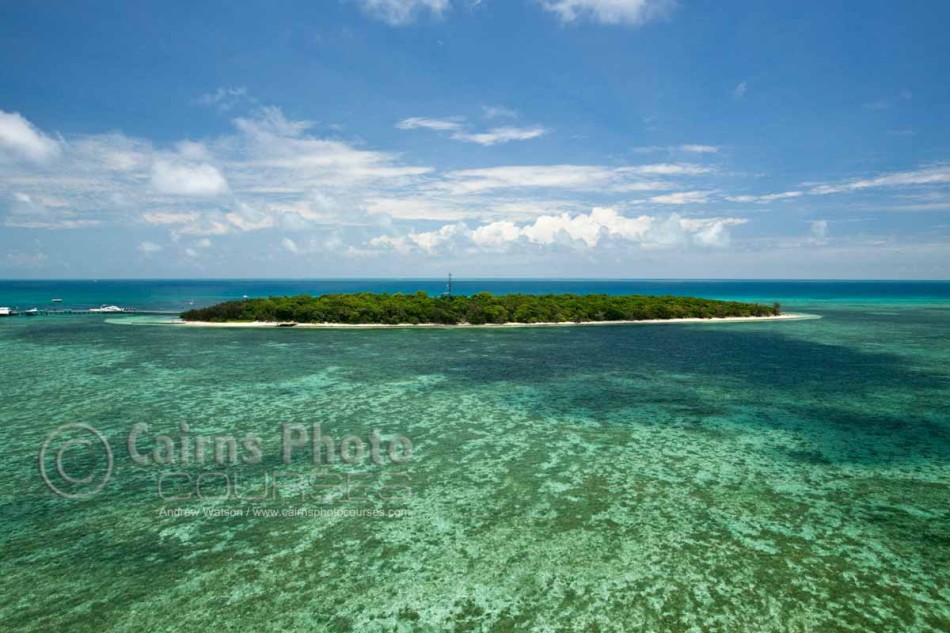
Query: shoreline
point(363, 326)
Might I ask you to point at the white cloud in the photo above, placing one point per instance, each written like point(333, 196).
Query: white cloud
point(631, 12)
point(269, 122)
point(192, 151)
point(279, 174)
point(149, 248)
point(575, 177)
point(187, 179)
point(819, 232)
point(771, 197)
point(224, 99)
point(688, 148)
point(710, 231)
point(586, 228)
point(122, 161)
point(20, 140)
point(212, 223)
point(699, 149)
point(428, 241)
point(450, 124)
point(584, 231)
point(671, 169)
point(279, 157)
point(500, 135)
point(641, 185)
point(498, 112)
point(290, 246)
point(925, 206)
point(284, 175)
point(532, 207)
point(682, 197)
point(248, 218)
point(42, 211)
point(402, 12)
point(166, 217)
point(496, 234)
point(416, 208)
point(555, 176)
point(929, 176)
point(740, 90)
point(456, 125)
point(936, 176)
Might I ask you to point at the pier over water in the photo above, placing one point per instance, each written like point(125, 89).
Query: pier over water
point(69, 312)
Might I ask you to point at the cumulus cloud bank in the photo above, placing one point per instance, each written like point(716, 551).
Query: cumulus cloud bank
point(579, 231)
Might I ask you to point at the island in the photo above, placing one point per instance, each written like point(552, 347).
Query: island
point(483, 308)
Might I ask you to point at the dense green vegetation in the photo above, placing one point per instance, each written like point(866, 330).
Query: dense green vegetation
point(475, 309)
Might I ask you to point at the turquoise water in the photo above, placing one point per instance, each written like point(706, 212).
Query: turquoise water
point(781, 476)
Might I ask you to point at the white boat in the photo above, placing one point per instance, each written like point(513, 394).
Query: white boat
point(107, 309)
point(6, 312)
point(31, 312)
point(57, 300)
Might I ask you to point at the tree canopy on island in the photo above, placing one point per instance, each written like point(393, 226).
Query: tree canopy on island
point(477, 309)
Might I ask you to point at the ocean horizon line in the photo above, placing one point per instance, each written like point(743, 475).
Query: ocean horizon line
point(494, 279)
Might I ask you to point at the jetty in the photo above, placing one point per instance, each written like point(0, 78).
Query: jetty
point(90, 311)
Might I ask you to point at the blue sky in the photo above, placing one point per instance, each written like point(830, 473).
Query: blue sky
point(516, 138)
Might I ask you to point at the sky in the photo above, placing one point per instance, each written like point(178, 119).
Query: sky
point(488, 138)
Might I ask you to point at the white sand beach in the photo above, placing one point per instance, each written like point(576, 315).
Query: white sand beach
point(356, 326)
